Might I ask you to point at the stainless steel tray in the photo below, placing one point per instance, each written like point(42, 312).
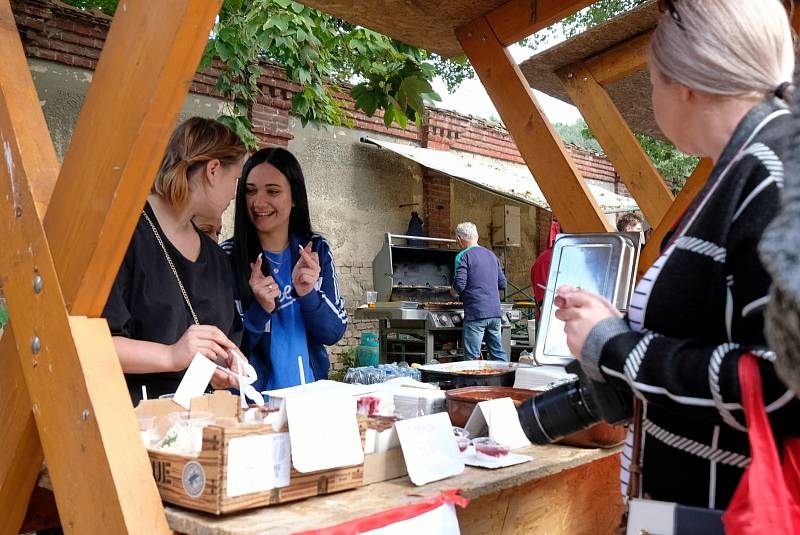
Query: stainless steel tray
point(603, 263)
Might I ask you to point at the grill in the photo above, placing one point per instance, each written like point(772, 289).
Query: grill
point(419, 320)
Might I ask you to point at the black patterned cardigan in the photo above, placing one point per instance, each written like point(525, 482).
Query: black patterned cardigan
point(694, 313)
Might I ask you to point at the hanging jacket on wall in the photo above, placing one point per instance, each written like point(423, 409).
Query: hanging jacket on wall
point(415, 228)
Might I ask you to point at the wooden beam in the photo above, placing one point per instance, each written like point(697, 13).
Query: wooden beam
point(142, 79)
point(38, 151)
point(620, 61)
point(99, 468)
point(609, 127)
point(517, 19)
point(652, 250)
point(537, 141)
point(21, 458)
point(186, 26)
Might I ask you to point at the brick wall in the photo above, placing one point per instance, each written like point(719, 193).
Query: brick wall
point(359, 279)
point(436, 196)
point(60, 33)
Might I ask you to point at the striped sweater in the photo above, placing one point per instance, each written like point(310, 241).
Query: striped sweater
point(694, 313)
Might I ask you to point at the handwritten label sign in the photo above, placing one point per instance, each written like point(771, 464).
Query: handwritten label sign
point(429, 448)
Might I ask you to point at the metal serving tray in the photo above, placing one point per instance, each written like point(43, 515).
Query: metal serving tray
point(603, 263)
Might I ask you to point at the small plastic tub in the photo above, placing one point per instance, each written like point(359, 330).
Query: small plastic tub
point(487, 449)
point(462, 439)
point(193, 423)
point(147, 429)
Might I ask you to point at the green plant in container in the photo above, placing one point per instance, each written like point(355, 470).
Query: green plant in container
point(348, 361)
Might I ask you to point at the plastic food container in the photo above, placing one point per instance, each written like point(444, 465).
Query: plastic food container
point(147, 429)
point(462, 439)
point(186, 433)
point(486, 449)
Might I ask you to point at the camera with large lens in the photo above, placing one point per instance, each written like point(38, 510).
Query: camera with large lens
point(573, 406)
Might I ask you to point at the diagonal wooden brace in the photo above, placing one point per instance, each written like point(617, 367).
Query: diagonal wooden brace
point(615, 136)
point(75, 383)
point(536, 139)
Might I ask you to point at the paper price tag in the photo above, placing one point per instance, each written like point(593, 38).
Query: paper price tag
point(195, 380)
point(429, 448)
point(323, 430)
point(500, 416)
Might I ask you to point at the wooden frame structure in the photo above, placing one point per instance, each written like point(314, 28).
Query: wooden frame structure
point(62, 393)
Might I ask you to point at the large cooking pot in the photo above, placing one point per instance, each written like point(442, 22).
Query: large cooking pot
point(461, 402)
point(470, 373)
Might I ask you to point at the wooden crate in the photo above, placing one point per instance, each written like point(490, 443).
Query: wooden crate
point(201, 482)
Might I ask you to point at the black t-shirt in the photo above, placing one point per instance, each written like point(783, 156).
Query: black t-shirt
point(146, 302)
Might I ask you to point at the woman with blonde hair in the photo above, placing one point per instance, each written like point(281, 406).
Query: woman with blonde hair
point(720, 72)
point(173, 295)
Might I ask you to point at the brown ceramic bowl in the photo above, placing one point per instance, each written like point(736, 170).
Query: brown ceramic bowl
point(462, 401)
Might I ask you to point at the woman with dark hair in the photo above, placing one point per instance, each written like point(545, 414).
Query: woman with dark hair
point(286, 284)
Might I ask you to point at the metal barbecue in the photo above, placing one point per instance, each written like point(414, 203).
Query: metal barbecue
point(419, 319)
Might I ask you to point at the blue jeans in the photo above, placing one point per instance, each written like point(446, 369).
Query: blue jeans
point(474, 333)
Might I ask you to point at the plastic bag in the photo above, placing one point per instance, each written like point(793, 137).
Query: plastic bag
point(767, 500)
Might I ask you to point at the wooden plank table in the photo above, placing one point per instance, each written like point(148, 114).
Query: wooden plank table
point(563, 490)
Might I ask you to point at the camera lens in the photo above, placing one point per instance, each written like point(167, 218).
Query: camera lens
point(555, 414)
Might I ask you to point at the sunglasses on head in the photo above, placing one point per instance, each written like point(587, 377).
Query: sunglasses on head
point(668, 6)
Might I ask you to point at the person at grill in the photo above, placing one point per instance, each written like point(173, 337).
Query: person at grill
point(717, 92)
point(286, 284)
point(478, 279)
point(173, 294)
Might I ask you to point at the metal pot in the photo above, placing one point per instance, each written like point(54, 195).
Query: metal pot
point(468, 373)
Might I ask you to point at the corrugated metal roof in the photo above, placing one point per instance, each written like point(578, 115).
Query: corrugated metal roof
point(508, 180)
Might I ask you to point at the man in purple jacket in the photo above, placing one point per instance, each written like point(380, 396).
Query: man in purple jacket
point(478, 279)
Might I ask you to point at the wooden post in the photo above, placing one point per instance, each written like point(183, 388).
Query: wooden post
point(615, 136)
point(21, 458)
point(537, 141)
point(21, 455)
point(141, 81)
point(80, 400)
point(652, 250)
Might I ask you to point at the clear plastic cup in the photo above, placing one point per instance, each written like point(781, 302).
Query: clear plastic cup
point(147, 429)
point(487, 449)
point(462, 439)
point(372, 298)
point(191, 424)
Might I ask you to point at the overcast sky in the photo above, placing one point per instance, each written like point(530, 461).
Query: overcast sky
point(471, 97)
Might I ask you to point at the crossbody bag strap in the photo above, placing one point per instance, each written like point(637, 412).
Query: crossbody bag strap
point(172, 267)
point(635, 468)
